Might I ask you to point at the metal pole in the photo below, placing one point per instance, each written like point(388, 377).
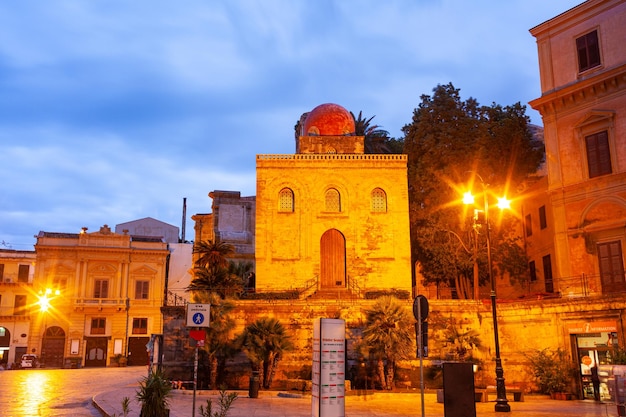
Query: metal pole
point(420, 348)
point(195, 381)
point(502, 404)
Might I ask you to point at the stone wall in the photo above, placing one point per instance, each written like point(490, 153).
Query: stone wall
point(523, 327)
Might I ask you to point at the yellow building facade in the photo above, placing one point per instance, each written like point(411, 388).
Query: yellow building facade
point(99, 297)
point(330, 217)
point(16, 302)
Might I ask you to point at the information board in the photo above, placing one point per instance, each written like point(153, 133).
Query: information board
point(329, 368)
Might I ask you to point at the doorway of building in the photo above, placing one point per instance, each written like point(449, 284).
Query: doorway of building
point(52, 347)
point(595, 350)
point(333, 259)
point(96, 352)
point(5, 343)
point(137, 351)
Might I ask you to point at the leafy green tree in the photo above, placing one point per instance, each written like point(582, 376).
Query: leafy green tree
point(448, 141)
point(264, 342)
point(388, 336)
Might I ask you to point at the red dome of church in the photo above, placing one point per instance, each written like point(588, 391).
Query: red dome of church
point(329, 120)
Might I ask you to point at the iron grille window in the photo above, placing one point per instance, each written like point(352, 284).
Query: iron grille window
point(333, 200)
point(285, 200)
point(379, 200)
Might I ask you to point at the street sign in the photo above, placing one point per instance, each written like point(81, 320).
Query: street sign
point(420, 308)
point(198, 315)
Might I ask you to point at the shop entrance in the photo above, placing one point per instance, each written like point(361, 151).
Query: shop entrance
point(594, 344)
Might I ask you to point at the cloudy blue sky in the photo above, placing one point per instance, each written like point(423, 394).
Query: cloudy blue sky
point(112, 111)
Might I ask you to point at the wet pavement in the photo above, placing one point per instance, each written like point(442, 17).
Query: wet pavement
point(293, 404)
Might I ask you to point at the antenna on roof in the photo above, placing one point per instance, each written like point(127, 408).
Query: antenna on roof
point(182, 240)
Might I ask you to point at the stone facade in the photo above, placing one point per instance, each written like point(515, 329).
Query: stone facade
point(105, 291)
point(583, 106)
point(331, 217)
point(17, 268)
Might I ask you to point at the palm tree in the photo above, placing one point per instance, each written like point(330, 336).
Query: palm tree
point(375, 137)
point(212, 272)
point(213, 254)
point(264, 342)
point(388, 335)
point(219, 281)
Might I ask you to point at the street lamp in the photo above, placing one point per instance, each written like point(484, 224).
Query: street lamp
point(502, 405)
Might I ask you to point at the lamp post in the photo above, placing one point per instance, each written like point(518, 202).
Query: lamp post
point(502, 404)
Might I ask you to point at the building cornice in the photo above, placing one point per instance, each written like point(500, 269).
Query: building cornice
point(580, 92)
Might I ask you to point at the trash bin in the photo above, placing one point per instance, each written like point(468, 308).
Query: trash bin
point(253, 391)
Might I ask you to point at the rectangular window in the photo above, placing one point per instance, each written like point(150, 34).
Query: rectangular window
point(528, 223)
point(611, 266)
point(101, 289)
point(141, 290)
point(140, 326)
point(598, 154)
point(22, 273)
point(19, 308)
point(588, 49)
point(98, 325)
point(1, 272)
point(547, 273)
point(543, 221)
point(533, 271)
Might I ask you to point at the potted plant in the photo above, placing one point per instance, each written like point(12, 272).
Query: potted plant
point(153, 394)
point(122, 360)
point(553, 372)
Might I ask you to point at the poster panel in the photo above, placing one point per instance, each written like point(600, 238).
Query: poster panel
point(328, 373)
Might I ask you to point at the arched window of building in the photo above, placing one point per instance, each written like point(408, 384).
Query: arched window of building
point(333, 200)
point(379, 200)
point(285, 200)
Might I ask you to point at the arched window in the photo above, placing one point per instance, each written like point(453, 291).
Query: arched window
point(333, 200)
point(285, 200)
point(379, 200)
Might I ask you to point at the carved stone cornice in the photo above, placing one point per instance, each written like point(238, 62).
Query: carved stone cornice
point(581, 92)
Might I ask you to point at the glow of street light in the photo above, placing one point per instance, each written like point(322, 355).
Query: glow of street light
point(44, 302)
point(504, 203)
point(468, 198)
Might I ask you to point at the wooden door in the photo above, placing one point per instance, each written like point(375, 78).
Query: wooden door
point(333, 259)
point(53, 347)
point(96, 352)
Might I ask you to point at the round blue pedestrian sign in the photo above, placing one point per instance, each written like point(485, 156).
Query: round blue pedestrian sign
point(198, 318)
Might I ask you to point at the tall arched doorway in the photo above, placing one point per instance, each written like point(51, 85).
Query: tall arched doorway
point(333, 259)
point(52, 347)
